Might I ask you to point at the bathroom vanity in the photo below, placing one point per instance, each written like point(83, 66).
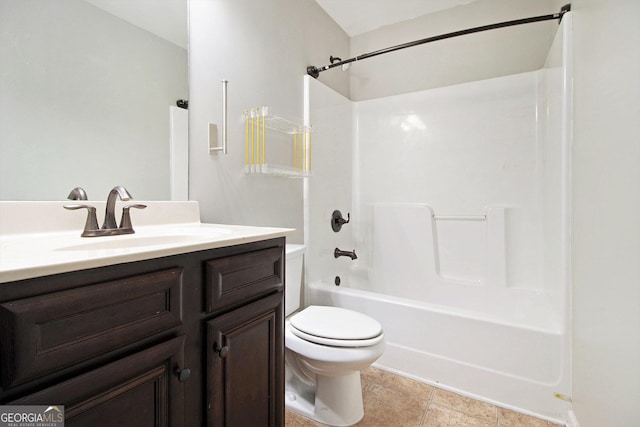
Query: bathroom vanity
point(156, 329)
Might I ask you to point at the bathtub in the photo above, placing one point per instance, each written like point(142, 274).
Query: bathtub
point(500, 361)
point(461, 227)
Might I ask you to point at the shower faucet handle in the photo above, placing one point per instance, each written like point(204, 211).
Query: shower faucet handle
point(337, 221)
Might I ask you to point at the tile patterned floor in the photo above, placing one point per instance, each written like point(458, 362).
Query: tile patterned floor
point(394, 401)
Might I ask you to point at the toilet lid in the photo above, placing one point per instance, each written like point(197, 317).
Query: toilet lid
point(334, 323)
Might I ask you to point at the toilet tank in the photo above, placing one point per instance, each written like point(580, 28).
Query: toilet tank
point(293, 277)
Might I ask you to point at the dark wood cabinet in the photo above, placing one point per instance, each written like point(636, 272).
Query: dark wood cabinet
point(187, 340)
point(244, 378)
point(139, 390)
point(55, 330)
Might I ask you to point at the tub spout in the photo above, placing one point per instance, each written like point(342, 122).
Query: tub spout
point(351, 254)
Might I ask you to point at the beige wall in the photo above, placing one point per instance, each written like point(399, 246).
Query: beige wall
point(606, 213)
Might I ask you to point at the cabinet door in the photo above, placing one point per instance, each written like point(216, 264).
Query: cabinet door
point(245, 367)
point(140, 390)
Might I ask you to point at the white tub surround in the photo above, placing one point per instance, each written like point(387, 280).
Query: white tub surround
point(456, 262)
point(460, 207)
point(42, 238)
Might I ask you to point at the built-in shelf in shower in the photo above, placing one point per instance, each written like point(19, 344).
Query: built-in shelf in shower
point(275, 145)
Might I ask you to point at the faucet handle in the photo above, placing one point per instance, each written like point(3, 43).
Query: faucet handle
point(77, 193)
point(125, 221)
point(91, 225)
point(337, 221)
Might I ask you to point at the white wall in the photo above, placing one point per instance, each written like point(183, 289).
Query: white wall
point(605, 195)
point(84, 101)
point(462, 59)
point(606, 206)
point(554, 113)
point(606, 212)
point(459, 149)
point(330, 188)
point(263, 49)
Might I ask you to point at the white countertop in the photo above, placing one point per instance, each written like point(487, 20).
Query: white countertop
point(27, 253)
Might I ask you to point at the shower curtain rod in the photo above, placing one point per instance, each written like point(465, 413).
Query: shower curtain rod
point(314, 71)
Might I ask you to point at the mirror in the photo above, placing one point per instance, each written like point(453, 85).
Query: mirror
point(88, 98)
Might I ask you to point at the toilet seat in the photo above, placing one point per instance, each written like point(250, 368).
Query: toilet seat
point(335, 326)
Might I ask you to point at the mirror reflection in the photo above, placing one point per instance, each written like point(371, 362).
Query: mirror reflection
point(88, 98)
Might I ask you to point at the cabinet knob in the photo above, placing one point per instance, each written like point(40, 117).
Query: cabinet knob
point(183, 374)
point(222, 352)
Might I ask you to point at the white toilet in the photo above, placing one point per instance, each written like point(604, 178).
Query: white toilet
point(325, 350)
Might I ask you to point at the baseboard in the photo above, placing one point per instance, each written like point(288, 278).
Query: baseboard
point(572, 421)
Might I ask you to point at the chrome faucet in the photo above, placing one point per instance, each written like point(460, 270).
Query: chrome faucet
point(351, 254)
point(109, 227)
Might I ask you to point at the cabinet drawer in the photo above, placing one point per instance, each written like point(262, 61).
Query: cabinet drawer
point(234, 279)
point(48, 332)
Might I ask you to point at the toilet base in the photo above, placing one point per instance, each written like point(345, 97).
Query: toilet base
point(335, 401)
